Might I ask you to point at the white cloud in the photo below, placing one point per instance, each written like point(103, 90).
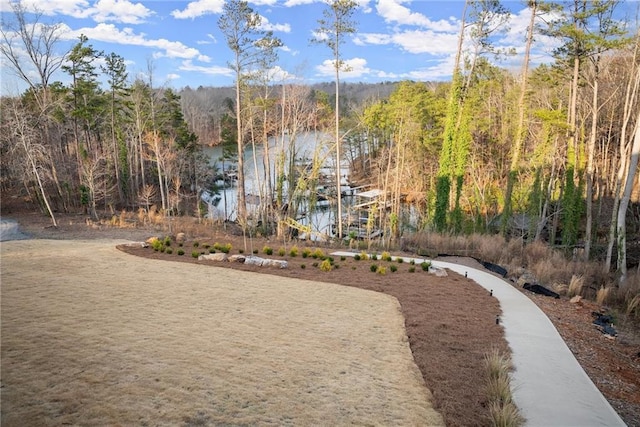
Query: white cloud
point(121, 11)
point(267, 26)
point(426, 42)
point(356, 67)
point(363, 39)
point(291, 3)
point(172, 76)
point(110, 34)
point(188, 65)
point(199, 8)
point(392, 11)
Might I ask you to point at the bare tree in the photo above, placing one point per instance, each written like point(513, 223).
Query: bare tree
point(24, 137)
point(335, 25)
point(39, 42)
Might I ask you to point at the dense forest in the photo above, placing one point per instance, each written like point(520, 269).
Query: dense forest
point(549, 152)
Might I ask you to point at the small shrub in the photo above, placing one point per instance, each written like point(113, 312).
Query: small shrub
point(180, 251)
point(412, 269)
point(240, 251)
point(168, 251)
point(374, 257)
point(425, 265)
point(293, 252)
point(393, 268)
point(353, 267)
point(315, 264)
point(412, 262)
point(319, 254)
point(343, 258)
point(364, 256)
point(382, 270)
point(196, 244)
point(330, 259)
point(167, 241)
point(306, 252)
point(386, 256)
point(303, 266)
point(195, 254)
point(356, 257)
point(336, 265)
point(267, 250)
point(282, 251)
point(212, 250)
point(373, 268)
point(399, 260)
point(255, 252)
point(326, 265)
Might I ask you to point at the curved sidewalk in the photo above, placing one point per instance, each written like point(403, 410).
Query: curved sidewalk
point(549, 386)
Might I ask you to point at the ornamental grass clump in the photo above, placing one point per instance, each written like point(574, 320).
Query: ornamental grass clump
point(364, 256)
point(385, 256)
point(282, 251)
point(293, 252)
point(382, 270)
point(267, 250)
point(502, 410)
point(306, 252)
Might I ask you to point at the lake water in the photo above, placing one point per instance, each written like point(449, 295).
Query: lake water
point(305, 147)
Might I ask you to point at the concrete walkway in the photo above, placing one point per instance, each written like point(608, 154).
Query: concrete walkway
point(549, 386)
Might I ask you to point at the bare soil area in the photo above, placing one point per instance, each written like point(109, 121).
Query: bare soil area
point(449, 321)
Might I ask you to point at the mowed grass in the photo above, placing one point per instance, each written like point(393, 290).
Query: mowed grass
point(92, 336)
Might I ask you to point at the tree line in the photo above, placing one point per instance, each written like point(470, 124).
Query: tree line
point(547, 152)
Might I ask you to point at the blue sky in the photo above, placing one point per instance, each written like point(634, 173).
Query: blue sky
point(396, 39)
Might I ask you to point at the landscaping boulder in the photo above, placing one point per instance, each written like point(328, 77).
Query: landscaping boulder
point(213, 257)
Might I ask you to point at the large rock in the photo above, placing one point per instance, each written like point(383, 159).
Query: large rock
point(237, 258)
point(181, 238)
point(264, 262)
point(214, 257)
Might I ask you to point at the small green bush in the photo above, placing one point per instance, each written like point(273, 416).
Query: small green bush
point(425, 265)
point(343, 258)
point(180, 251)
point(167, 241)
point(303, 266)
point(373, 268)
point(393, 268)
point(374, 257)
point(282, 251)
point(168, 251)
point(315, 264)
point(255, 252)
point(306, 252)
point(399, 260)
point(240, 251)
point(212, 250)
point(412, 262)
point(326, 265)
point(195, 254)
point(196, 244)
point(318, 253)
point(356, 257)
point(293, 252)
point(412, 269)
point(267, 250)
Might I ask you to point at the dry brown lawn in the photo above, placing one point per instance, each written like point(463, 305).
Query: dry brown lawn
point(94, 336)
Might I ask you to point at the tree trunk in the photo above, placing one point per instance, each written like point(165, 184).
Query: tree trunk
point(624, 203)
